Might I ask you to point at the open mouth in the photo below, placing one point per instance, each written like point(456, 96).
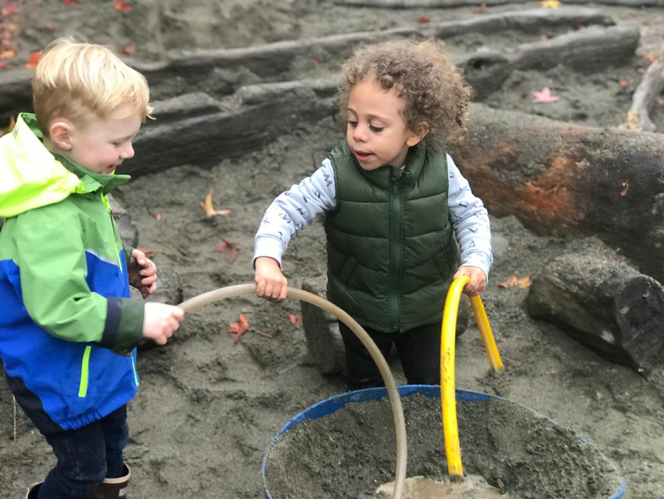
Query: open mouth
point(362, 156)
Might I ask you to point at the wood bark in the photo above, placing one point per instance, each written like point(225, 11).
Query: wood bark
point(417, 4)
point(531, 21)
point(652, 84)
point(605, 304)
point(557, 177)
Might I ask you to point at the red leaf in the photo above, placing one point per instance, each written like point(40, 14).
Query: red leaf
point(9, 9)
point(34, 59)
point(296, 320)
point(129, 49)
point(121, 6)
point(227, 246)
point(69, 3)
point(3, 64)
point(423, 19)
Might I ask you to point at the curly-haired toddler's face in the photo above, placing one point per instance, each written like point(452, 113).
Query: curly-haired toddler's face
point(376, 130)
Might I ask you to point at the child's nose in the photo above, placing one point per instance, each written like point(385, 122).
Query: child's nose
point(128, 152)
point(360, 133)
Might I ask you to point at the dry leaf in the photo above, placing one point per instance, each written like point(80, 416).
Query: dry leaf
point(208, 207)
point(129, 49)
point(509, 283)
point(633, 120)
point(525, 282)
point(69, 3)
point(622, 83)
point(2, 64)
point(9, 9)
point(296, 320)
point(227, 246)
point(121, 6)
point(625, 188)
point(545, 96)
point(650, 57)
point(158, 217)
point(423, 19)
point(239, 328)
point(550, 4)
point(34, 59)
point(480, 9)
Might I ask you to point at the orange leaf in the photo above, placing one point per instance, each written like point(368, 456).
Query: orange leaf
point(650, 57)
point(622, 83)
point(509, 283)
point(34, 59)
point(129, 49)
point(239, 328)
point(208, 207)
point(525, 282)
point(158, 217)
point(296, 320)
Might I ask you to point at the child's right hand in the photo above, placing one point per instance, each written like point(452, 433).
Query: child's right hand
point(160, 321)
point(270, 280)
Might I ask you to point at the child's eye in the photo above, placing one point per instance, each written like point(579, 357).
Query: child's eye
point(375, 128)
point(352, 123)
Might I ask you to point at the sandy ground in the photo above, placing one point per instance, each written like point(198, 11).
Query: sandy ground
point(208, 407)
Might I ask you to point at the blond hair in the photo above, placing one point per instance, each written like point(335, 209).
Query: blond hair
point(432, 87)
point(83, 81)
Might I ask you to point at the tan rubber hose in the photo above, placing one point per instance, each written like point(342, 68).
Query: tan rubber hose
point(299, 294)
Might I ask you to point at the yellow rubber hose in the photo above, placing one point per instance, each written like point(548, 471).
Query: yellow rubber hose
point(447, 393)
point(447, 356)
point(299, 294)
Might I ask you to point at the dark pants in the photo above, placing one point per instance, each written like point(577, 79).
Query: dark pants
point(86, 457)
point(418, 349)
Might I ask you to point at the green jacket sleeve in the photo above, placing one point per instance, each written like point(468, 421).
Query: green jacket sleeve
point(55, 292)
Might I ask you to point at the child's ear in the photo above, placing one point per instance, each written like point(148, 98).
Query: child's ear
point(418, 134)
point(60, 133)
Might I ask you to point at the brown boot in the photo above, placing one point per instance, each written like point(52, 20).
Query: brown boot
point(112, 488)
point(33, 491)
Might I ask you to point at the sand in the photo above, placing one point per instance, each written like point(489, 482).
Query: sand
point(207, 407)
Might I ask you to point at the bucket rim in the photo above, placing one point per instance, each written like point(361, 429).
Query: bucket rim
point(332, 404)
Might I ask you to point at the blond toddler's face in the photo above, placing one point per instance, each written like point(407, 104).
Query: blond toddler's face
point(102, 145)
point(376, 131)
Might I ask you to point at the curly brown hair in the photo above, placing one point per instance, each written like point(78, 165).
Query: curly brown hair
point(432, 87)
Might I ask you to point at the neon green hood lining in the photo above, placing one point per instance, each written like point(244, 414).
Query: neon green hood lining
point(32, 177)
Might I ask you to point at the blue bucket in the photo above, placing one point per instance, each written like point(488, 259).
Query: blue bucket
point(610, 479)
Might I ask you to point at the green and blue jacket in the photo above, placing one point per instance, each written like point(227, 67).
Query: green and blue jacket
point(68, 329)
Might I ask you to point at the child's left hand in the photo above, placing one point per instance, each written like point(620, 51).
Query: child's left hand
point(477, 282)
point(142, 273)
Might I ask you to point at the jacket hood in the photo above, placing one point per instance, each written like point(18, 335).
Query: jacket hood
point(33, 177)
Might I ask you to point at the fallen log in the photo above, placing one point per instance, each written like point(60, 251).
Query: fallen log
point(606, 305)
point(417, 4)
point(587, 50)
point(557, 177)
point(531, 21)
point(196, 130)
point(652, 84)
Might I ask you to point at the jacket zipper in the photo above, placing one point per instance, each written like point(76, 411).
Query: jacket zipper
point(395, 251)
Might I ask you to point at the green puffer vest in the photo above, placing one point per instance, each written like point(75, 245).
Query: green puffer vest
point(390, 244)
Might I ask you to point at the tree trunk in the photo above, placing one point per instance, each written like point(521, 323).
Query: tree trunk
point(606, 305)
point(558, 177)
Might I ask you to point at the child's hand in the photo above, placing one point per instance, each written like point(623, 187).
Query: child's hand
point(160, 321)
point(142, 273)
point(477, 282)
point(270, 281)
